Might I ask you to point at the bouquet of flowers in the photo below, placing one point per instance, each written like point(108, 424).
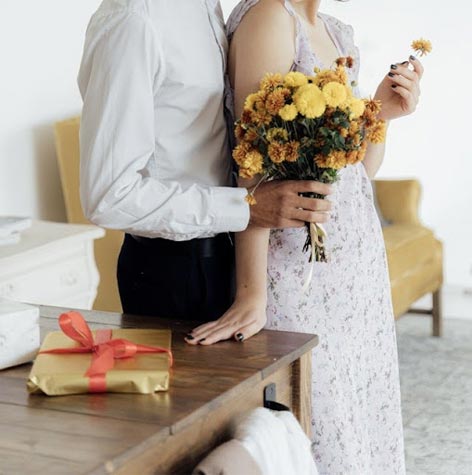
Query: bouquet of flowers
point(298, 127)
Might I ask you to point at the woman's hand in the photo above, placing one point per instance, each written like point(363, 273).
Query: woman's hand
point(399, 92)
point(245, 318)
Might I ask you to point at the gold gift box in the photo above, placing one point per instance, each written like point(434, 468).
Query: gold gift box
point(61, 374)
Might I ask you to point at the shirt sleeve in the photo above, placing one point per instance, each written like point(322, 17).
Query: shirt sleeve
point(119, 79)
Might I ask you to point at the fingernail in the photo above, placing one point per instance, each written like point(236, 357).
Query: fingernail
point(189, 336)
point(404, 62)
point(394, 86)
point(393, 66)
point(412, 58)
point(391, 75)
point(203, 339)
point(240, 337)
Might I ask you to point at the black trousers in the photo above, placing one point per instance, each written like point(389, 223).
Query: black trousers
point(189, 280)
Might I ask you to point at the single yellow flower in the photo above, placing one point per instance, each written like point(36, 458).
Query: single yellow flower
point(288, 112)
point(276, 100)
point(325, 76)
point(240, 152)
point(336, 159)
point(250, 101)
point(251, 165)
point(422, 46)
point(335, 94)
point(310, 101)
point(271, 81)
point(250, 198)
point(295, 79)
point(378, 132)
point(277, 133)
point(291, 151)
point(277, 152)
point(357, 108)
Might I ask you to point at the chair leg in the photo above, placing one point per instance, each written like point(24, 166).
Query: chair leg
point(437, 313)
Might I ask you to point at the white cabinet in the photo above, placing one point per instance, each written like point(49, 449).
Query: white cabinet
point(53, 264)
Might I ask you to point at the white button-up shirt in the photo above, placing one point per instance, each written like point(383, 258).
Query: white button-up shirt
point(155, 159)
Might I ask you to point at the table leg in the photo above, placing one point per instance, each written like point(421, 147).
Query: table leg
point(301, 397)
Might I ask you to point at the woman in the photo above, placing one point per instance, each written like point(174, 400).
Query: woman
point(357, 425)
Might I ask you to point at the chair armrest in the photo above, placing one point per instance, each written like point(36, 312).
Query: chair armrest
point(399, 200)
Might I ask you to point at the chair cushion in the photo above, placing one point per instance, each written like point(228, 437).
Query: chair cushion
point(415, 263)
point(408, 246)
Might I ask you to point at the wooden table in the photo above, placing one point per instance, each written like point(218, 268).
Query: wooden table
point(165, 433)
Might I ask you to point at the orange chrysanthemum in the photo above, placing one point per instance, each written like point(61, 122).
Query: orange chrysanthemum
point(271, 81)
point(291, 151)
point(251, 164)
point(251, 135)
point(277, 152)
point(373, 106)
point(377, 132)
point(336, 159)
point(240, 152)
point(250, 198)
point(239, 132)
point(276, 100)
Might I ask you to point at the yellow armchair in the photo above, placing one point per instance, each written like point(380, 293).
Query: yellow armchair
point(415, 256)
point(107, 248)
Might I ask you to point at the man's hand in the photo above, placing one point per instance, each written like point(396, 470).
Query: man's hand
point(279, 204)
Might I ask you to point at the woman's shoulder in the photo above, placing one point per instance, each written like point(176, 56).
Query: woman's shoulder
point(260, 13)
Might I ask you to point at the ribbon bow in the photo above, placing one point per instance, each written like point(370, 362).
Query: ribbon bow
point(104, 350)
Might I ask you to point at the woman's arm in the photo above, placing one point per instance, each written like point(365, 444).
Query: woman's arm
point(374, 158)
point(399, 93)
point(263, 42)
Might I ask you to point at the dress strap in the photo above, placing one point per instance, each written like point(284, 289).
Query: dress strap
point(302, 43)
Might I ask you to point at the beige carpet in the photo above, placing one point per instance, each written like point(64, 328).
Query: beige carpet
point(436, 378)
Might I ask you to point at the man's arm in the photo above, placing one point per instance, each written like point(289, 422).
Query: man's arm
point(120, 74)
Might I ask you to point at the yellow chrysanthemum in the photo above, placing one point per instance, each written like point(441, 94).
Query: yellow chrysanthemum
point(240, 152)
point(250, 199)
point(325, 76)
point(291, 151)
point(288, 112)
point(277, 134)
point(352, 157)
point(354, 128)
point(250, 101)
point(342, 76)
point(271, 81)
point(310, 101)
point(276, 100)
point(251, 135)
point(334, 93)
point(422, 46)
point(251, 165)
point(295, 79)
point(378, 132)
point(336, 159)
point(357, 108)
point(277, 152)
point(374, 106)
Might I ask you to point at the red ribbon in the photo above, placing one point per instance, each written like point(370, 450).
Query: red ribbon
point(104, 350)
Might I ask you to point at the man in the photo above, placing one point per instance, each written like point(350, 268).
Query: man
point(155, 160)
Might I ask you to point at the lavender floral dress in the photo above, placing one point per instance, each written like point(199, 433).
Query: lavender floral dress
point(357, 425)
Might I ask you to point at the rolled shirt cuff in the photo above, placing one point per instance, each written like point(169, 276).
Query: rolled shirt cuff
point(232, 210)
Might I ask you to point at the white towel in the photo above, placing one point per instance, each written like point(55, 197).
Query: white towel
point(277, 443)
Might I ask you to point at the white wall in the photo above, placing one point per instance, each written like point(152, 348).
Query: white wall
point(40, 48)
